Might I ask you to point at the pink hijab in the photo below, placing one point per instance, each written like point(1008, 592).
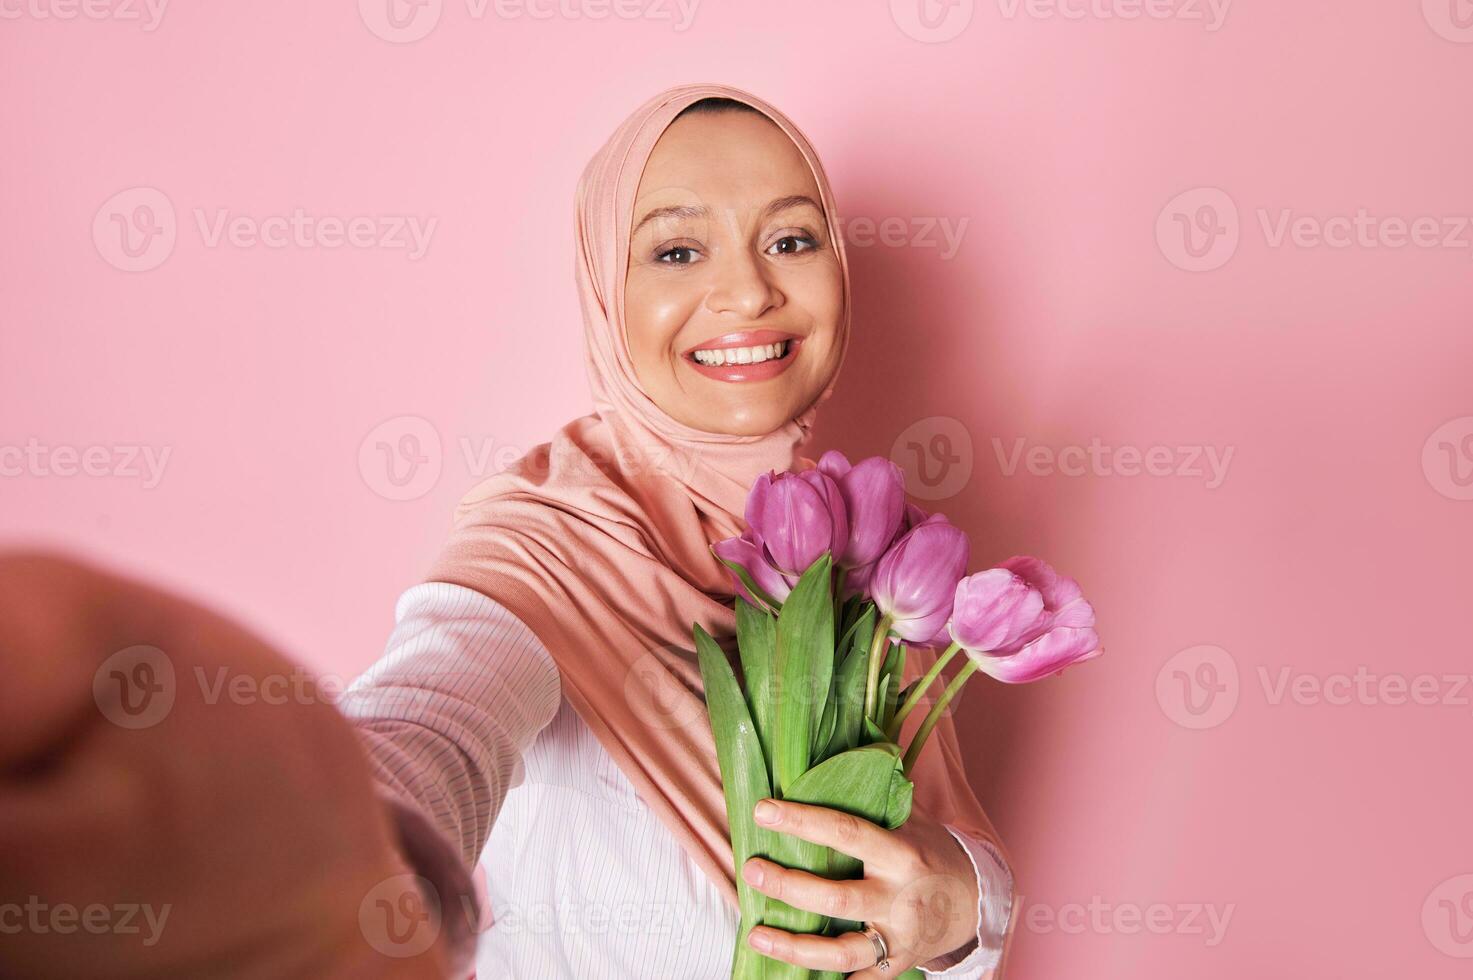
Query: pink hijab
point(600, 539)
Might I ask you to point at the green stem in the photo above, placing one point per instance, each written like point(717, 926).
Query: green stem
point(877, 647)
point(924, 732)
point(839, 599)
point(919, 691)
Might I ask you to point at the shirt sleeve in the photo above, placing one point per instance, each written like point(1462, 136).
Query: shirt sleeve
point(994, 908)
point(444, 716)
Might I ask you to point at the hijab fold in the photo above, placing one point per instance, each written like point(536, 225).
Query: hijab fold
point(599, 540)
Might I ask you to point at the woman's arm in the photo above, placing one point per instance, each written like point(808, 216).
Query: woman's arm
point(994, 908)
point(444, 716)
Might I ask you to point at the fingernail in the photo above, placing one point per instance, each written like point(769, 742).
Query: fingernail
point(760, 941)
point(752, 871)
point(766, 812)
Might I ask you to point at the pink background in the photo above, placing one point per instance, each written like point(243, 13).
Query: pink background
point(1337, 538)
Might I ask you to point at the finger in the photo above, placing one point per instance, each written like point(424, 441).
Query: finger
point(842, 831)
point(850, 899)
point(845, 954)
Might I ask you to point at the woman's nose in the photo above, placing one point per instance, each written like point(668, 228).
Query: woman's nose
point(741, 286)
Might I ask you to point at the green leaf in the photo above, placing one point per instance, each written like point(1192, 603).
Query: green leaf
point(802, 673)
point(849, 684)
point(743, 782)
point(860, 781)
point(873, 734)
point(757, 647)
point(901, 795)
point(751, 584)
point(893, 671)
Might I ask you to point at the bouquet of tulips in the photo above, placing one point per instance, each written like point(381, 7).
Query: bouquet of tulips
point(836, 576)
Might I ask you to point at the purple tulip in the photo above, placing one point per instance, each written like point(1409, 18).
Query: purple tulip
point(874, 499)
point(795, 517)
point(915, 582)
point(995, 609)
point(1023, 621)
point(747, 552)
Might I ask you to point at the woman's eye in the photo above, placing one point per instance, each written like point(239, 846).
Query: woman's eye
point(792, 244)
point(676, 255)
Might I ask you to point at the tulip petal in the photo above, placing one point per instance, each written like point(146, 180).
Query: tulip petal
point(834, 464)
point(1045, 656)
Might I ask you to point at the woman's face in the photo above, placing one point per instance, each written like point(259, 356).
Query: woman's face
point(734, 297)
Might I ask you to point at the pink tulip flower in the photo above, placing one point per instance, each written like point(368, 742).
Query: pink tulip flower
point(914, 583)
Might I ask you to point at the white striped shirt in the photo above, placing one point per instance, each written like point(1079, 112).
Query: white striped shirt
point(581, 878)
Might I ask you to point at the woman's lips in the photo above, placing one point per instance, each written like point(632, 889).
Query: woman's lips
point(738, 372)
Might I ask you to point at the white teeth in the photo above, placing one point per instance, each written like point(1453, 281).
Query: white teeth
point(741, 355)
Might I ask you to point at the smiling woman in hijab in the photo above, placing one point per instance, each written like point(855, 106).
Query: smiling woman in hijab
point(539, 708)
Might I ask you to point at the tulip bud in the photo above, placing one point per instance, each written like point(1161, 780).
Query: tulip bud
point(874, 499)
point(746, 552)
point(915, 581)
point(795, 518)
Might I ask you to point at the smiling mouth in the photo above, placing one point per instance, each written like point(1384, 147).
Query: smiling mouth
point(751, 355)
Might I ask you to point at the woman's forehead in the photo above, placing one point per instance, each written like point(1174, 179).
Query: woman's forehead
point(724, 157)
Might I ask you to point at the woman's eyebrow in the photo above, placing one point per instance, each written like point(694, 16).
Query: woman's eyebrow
point(700, 211)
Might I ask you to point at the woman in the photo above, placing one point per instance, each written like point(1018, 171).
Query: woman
point(549, 651)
